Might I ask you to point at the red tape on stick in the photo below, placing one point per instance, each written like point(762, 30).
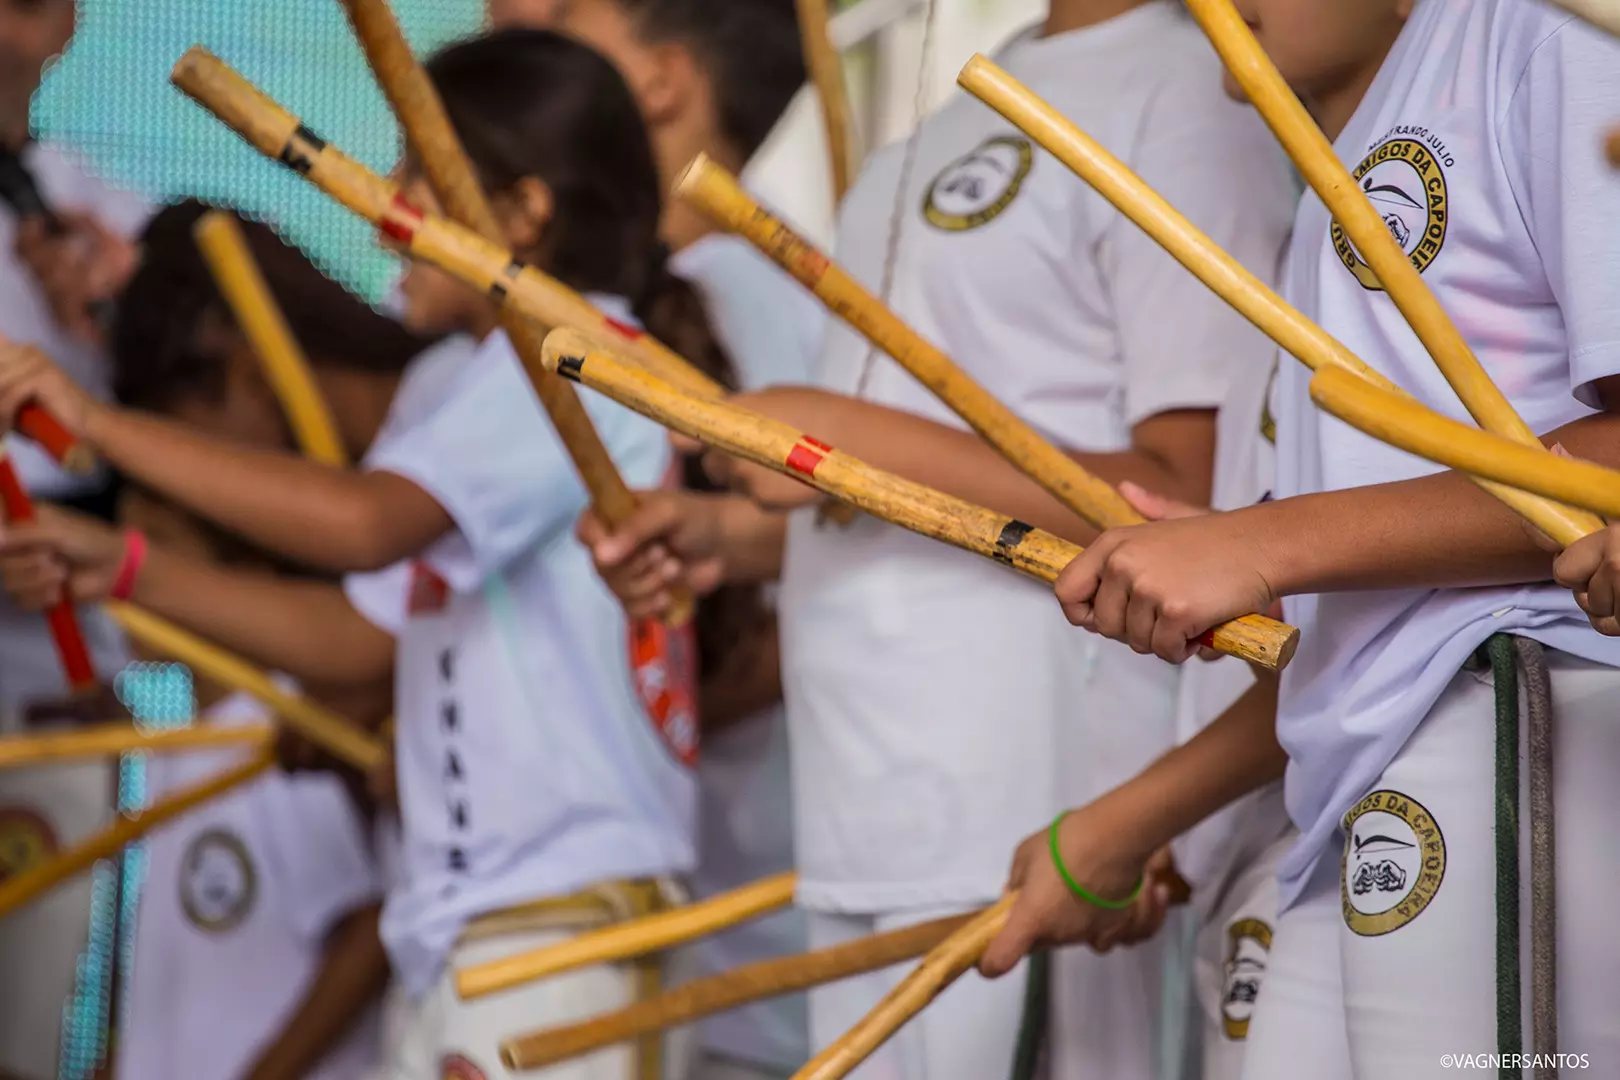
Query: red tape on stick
point(807, 454)
point(63, 620)
point(40, 426)
point(401, 221)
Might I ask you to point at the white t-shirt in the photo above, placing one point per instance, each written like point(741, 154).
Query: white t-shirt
point(771, 327)
point(1245, 469)
point(1484, 132)
point(926, 687)
point(527, 766)
point(236, 904)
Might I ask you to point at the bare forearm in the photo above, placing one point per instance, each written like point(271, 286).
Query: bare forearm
point(352, 976)
point(324, 517)
point(751, 541)
point(1236, 754)
point(750, 680)
point(307, 629)
point(962, 464)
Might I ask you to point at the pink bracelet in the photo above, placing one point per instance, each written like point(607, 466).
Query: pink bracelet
point(134, 558)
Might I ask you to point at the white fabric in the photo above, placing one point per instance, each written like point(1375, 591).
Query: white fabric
point(1298, 1026)
point(438, 1036)
point(1513, 100)
point(527, 766)
point(771, 327)
point(25, 314)
point(1245, 467)
point(1234, 946)
point(1106, 1011)
point(235, 906)
point(967, 1033)
point(923, 729)
point(1427, 985)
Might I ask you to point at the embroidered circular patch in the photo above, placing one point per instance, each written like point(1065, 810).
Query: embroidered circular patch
point(1248, 946)
point(26, 839)
point(1406, 182)
point(974, 189)
point(218, 883)
point(1394, 862)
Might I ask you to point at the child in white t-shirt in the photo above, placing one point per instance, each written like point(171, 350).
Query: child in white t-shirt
point(927, 741)
point(533, 783)
point(256, 951)
point(1475, 127)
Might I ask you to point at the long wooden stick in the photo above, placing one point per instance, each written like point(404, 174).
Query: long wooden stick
point(891, 498)
point(710, 188)
point(729, 990)
point(1224, 275)
point(321, 726)
point(1402, 422)
point(457, 250)
point(946, 963)
point(1360, 221)
point(47, 875)
point(240, 281)
point(825, 67)
point(123, 737)
point(626, 941)
point(61, 617)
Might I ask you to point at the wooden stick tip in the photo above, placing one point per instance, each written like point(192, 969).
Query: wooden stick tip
point(697, 170)
point(80, 460)
point(1285, 652)
point(509, 1056)
point(977, 67)
point(196, 58)
point(561, 345)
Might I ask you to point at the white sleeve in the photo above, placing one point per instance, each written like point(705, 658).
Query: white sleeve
point(382, 596)
point(316, 843)
point(489, 456)
point(1214, 161)
point(1552, 145)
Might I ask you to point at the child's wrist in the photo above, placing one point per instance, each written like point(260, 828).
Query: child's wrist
point(130, 567)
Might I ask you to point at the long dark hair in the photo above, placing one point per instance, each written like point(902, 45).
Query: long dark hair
point(156, 356)
point(531, 103)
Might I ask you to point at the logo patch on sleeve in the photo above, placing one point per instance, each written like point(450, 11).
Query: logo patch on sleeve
point(26, 839)
point(1248, 948)
point(218, 882)
point(974, 189)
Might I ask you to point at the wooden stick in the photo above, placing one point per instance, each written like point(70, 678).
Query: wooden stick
point(883, 495)
point(1364, 227)
point(825, 67)
point(321, 726)
point(1603, 14)
point(710, 188)
point(1402, 422)
point(729, 990)
point(628, 940)
point(940, 968)
point(65, 447)
point(52, 872)
point(123, 737)
point(60, 616)
point(458, 251)
point(1614, 148)
point(286, 368)
point(1257, 302)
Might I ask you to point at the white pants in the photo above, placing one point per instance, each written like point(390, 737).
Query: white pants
point(1415, 899)
point(441, 1037)
point(968, 1033)
point(1234, 953)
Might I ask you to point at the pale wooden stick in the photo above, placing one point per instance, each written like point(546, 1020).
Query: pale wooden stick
point(1361, 222)
point(240, 281)
point(710, 188)
point(321, 726)
point(123, 737)
point(456, 250)
point(885, 496)
point(52, 872)
point(825, 67)
point(1402, 422)
point(628, 940)
point(728, 990)
point(940, 968)
point(1603, 14)
point(1223, 274)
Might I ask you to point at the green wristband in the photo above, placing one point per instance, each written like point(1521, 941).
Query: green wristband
point(1075, 887)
